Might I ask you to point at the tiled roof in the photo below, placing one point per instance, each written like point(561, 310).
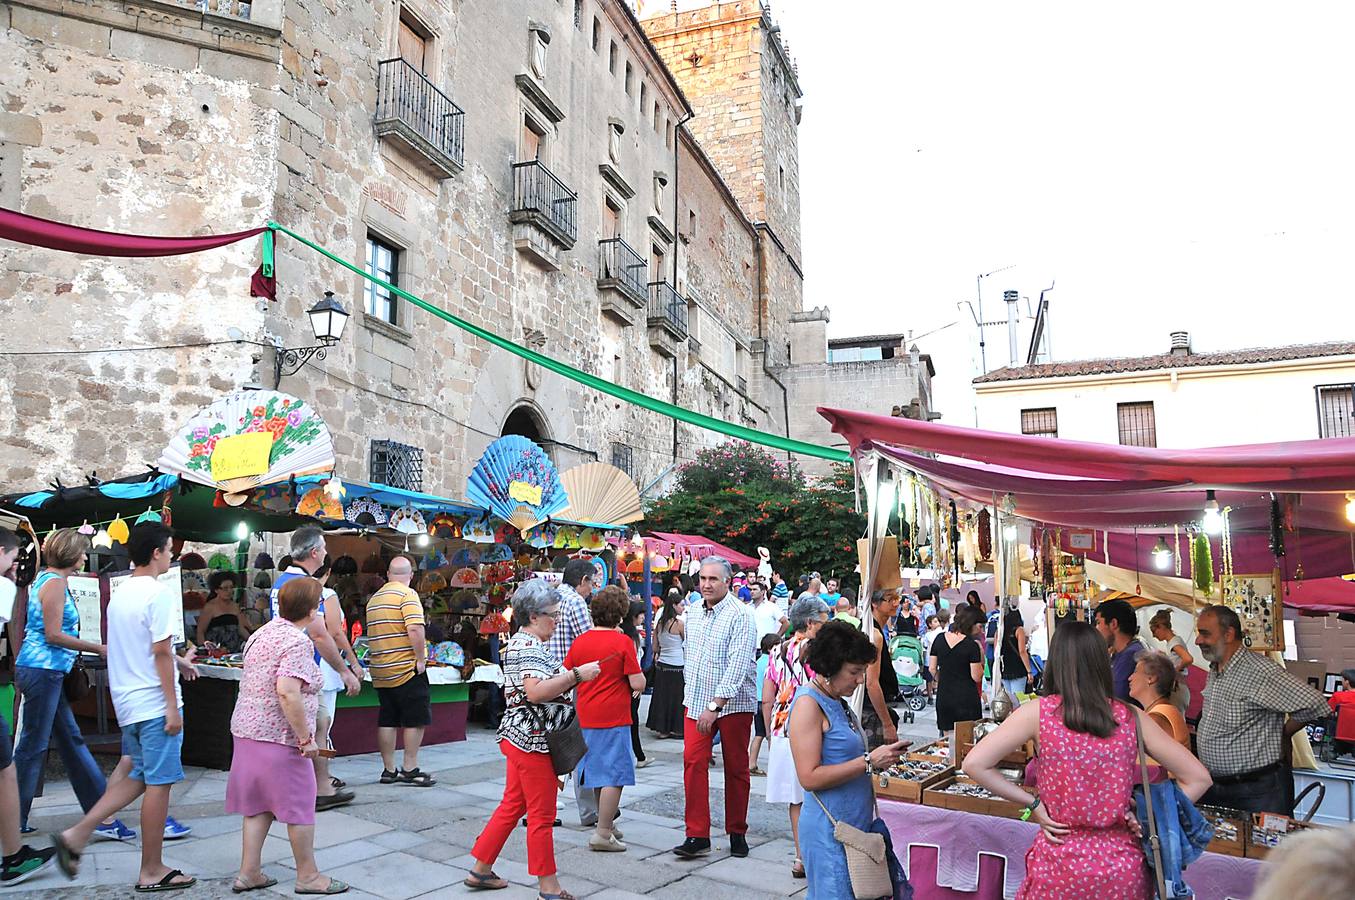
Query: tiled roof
point(1074, 368)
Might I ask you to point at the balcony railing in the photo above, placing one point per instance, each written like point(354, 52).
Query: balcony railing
point(410, 107)
point(621, 267)
point(667, 308)
point(541, 198)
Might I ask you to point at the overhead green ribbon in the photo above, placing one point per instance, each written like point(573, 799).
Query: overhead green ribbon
point(752, 435)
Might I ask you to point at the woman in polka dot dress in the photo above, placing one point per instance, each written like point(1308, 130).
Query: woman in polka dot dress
point(1088, 755)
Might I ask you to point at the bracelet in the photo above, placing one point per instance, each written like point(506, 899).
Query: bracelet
point(870, 767)
point(1029, 810)
point(574, 673)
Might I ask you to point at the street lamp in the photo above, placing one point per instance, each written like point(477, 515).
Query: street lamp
point(328, 319)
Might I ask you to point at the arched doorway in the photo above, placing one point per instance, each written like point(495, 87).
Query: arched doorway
point(525, 421)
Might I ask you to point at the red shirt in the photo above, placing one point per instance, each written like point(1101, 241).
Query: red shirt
point(604, 702)
point(1343, 704)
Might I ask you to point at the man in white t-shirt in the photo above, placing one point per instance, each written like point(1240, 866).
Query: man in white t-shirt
point(767, 616)
point(143, 679)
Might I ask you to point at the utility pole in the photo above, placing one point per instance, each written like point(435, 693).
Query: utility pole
point(978, 287)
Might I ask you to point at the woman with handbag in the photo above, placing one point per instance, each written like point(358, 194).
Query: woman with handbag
point(532, 677)
point(46, 671)
point(842, 841)
point(1089, 755)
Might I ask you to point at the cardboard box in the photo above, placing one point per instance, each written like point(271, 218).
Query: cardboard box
point(907, 789)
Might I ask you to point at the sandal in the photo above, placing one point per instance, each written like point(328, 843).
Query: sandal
point(66, 859)
point(563, 895)
point(338, 783)
point(490, 882)
point(417, 778)
point(389, 777)
point(167, 883)
point(335, 887)
point(238, 888)
point(797, 869)
point(756, 771)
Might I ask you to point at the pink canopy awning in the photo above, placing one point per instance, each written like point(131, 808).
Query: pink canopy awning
point(695, 546)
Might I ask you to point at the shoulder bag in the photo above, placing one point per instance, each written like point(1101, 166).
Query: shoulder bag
point(867, 859)
point(1153, 840)
point(564, 739)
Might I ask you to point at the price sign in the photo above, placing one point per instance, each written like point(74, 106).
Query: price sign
point(241, 455)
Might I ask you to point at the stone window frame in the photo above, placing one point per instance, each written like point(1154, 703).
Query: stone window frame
point(378, 222)
point(658, 116)
point(415, 13)
point(611, 58)
point(611, 197)
point(644, 97)
point(531, 117)
point(629, 81)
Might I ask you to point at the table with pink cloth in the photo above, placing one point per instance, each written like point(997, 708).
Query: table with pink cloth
point(951, 855)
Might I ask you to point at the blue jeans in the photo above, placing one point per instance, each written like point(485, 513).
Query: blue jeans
point(1015, 686)
point(47, 717)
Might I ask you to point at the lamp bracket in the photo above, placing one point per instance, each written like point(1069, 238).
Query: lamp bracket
point(289, 361)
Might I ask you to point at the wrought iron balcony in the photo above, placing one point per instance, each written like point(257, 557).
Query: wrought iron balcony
point(667, 309)
point(410, 109)
point(621, 267)
point(541, 199)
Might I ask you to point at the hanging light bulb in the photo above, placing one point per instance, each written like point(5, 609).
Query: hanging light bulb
point(1162, 554)
point(1350, 507)
point(422, 540)
point(242, 532)
point(1009, 531)
point(1213, 519)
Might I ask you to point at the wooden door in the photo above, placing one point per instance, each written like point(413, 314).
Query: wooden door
point(413, 46)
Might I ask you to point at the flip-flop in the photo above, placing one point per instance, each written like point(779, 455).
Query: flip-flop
point(167, 883)
point(335, 887)
point(490, 882)
point(66, 859)
point(266, 883)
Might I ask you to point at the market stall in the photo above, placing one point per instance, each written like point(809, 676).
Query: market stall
point(1249, 527)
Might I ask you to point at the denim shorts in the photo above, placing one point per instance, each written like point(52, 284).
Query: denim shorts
point(155, 755)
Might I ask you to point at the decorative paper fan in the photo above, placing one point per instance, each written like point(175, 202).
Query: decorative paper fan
point(466, 556)
point(466, 578)
point(517, 482)
point(478, 530)
point(567, 538)
point(316, 502)
point(408, 520)
point(659, 563)
point(444, 526)
point(635, 567)
point(118, 531)
point(220, 562)
point(599, 492)
point(592, 539)
point(248, 439)
point(497, 553)
point(494, 623)
point(542, 536)
point(499, 573)
point(365, 511)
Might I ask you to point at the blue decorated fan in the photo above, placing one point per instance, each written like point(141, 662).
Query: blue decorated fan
point(497, 553)
point(517, 483)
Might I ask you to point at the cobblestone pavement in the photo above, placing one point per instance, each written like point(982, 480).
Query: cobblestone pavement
point(398, 842)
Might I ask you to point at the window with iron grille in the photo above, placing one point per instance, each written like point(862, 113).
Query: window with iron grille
point(1138, 424)
point(1335, 410)
point(397, 465)
point(1044, 422)
point(621, 456)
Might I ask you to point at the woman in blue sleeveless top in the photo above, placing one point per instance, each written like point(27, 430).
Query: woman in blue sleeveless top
point(50, 645)
point(830, 755)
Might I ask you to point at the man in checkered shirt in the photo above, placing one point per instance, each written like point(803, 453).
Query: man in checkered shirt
point(720, 696)
point(576, 589)
point(1243, 738)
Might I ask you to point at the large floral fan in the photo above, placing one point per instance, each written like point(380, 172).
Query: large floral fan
point(516, 482)
point(248, 439)
point(599, 492)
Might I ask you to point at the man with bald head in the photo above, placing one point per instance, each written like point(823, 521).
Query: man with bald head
point(397, 654)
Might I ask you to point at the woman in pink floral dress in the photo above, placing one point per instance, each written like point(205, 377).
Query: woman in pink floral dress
point(1088, 754)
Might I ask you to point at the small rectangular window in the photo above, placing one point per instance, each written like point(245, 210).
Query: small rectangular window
point(611, 58)
point(667, 134)
point(1044, 422)
point(644, 91)
point(1138, 424)
point(656, 117)
point(630, 73)
point(383, 261)
point(578, 14)
point(597, 35)
point(691, 223)
point(621, 456)
point(1336, 410)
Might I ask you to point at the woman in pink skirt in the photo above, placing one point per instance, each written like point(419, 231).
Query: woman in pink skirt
point(272, 776)
point(1088, 759)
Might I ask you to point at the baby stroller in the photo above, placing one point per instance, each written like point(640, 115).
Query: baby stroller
point(905, 652)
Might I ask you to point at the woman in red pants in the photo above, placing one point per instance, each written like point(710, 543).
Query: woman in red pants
point(532, 677)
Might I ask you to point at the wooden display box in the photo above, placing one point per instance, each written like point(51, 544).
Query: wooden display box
point(937, 751)
point(935, 795)
point(964, 742)
point(1231, 829)
point(1263, 835)
point(906, 789)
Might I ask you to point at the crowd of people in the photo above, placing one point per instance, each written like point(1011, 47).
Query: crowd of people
point(732, 657)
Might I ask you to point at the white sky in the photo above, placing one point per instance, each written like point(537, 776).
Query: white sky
point(1169, 165)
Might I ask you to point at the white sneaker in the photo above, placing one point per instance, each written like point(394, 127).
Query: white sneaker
point(608, 844)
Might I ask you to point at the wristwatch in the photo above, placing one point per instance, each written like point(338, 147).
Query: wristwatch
point(714, 707)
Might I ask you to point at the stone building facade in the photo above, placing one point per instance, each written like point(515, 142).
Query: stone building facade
point(550, 170)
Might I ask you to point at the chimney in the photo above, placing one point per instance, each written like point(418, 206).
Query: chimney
point(1180, 343)
point(1013, 323)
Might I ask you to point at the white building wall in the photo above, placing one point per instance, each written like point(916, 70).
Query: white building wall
point(1194, 407)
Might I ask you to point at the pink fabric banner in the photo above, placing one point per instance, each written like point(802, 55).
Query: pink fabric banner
point(25, 229)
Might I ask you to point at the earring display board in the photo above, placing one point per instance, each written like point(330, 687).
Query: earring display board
point(1256, 600)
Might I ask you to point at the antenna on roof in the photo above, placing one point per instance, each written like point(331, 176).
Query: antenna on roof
point(1041, 342)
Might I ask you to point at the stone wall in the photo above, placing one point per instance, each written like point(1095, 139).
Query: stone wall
point(112, 135)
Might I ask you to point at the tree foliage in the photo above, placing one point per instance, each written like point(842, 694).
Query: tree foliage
point(745, 497)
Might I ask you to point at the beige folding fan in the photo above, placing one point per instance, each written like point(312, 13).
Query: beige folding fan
point(600, 493)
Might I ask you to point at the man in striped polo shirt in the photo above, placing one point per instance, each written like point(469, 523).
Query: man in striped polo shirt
point(397, 654)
